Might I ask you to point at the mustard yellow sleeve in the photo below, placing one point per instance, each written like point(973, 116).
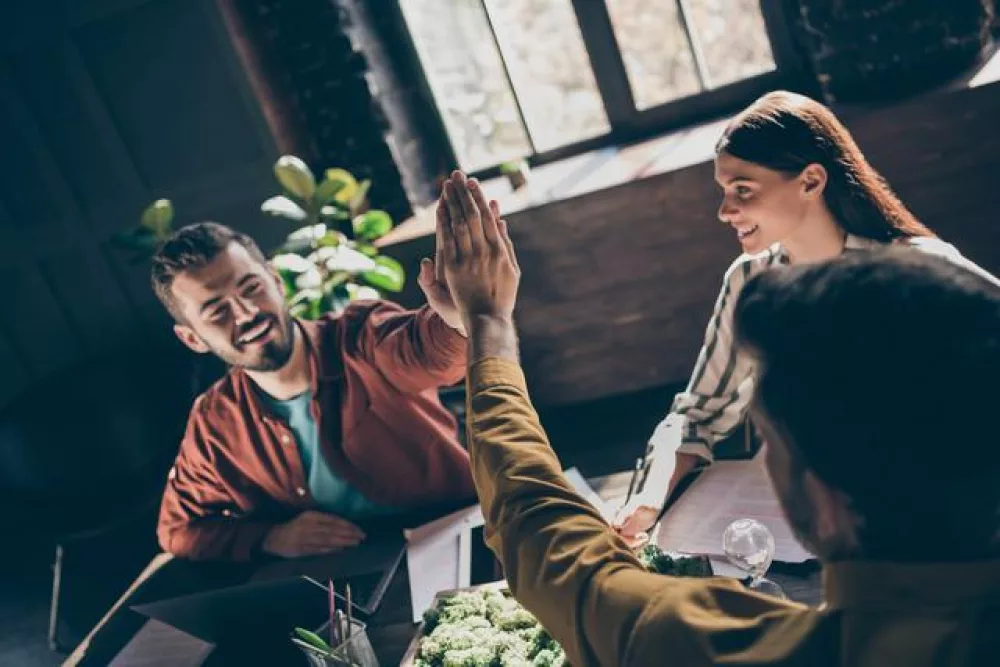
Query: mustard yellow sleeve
point(570, 569)
point(561, 559)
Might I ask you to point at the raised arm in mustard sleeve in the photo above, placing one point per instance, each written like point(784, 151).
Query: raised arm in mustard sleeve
point(566, 565)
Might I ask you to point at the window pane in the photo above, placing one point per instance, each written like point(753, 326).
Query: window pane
point(655, 49)
point(466, 76)
point(548, 63)
point(727, 59)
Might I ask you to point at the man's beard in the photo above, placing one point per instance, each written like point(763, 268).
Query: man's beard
point(271, 356)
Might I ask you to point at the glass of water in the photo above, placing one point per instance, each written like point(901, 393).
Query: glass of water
point(749, 546)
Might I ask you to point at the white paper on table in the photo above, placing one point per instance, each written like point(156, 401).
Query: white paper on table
point(576, 479)
point(433, 556)
point(726, 491)
point(438, 553)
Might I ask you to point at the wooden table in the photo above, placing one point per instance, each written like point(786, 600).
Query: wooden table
point(391, 627)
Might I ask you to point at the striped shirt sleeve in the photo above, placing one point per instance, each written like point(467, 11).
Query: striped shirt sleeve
point(717, 395)
point(935, 246)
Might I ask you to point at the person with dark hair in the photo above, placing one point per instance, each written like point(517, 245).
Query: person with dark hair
point(903, 358)
point(318, 425)
point(796, 189)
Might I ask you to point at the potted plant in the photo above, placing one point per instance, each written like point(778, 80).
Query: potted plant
point(516, 172)
point(328, 259)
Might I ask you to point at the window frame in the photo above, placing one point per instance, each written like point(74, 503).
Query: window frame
point(628, 124)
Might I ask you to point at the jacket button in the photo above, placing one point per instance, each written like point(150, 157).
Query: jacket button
point(226, 513)
point(299, 490)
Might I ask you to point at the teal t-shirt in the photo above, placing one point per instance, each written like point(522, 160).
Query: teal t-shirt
point(332, 494)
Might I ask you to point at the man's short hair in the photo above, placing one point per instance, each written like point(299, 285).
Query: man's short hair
point(883, 370)
point(192, 247)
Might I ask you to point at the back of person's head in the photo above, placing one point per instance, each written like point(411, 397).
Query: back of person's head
point(882, 372)
point(787, 132)
point(191, 248)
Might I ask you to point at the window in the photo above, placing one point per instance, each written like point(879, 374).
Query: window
point(543, 79)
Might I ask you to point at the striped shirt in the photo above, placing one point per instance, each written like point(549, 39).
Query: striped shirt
point(716, 398)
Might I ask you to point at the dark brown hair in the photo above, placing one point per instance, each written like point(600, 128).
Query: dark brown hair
point(193, 247)
point(787, 132)
point(900, 369)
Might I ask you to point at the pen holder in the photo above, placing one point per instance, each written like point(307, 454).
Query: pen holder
point(356, 651)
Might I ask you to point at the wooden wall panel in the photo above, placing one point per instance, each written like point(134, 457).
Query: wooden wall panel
point(92, 299)
point(162, 73)
point(36, 322)
point(14, 377)
point(106, 105)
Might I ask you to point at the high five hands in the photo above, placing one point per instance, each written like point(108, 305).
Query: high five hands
point(475, 263)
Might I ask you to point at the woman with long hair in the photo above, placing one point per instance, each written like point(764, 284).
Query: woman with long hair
point(796, 188)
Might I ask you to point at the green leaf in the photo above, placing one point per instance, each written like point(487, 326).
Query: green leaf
point(371, 225)
point(311, 279)
point(157, 217)
point(306, 303)
point(387, 275)
point(331, 239)
point(362, 292)
point(366, 249)
point(338, 278)
point(334, 212)
point(139, 239)
point(327, 191)
point(291, 263)
point(281, 206)
point(312, 639)
point(359, 197)
point(295, 176)
point(350, 185)
point(337, 298)
point(343, 258)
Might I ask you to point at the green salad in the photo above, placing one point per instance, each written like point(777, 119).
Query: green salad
point(489, 628)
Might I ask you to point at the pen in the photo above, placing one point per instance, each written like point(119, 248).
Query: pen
point(340, 628)
point(635, 479)
point(350, 613)
point(333, 611)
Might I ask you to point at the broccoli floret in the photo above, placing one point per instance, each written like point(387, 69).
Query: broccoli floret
point(656, 560)
point(548, 658)
point(485, 628)
point(463, 605)
point(475, 656)
point(515, 619)
point(544, 641)
point(513, 659)
point(509, 644)
point(431, 619)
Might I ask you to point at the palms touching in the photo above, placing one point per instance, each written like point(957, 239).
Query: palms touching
point(474, 254)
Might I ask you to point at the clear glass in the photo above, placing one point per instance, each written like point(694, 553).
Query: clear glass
point(466, 76)
point(716, 22)
point(356, 651)
point(656, 52)
point(749, 546)
point(549, 67)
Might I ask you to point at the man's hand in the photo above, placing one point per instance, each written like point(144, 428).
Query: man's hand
point(480, 267)
point(432, 282)
point(311, 534)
